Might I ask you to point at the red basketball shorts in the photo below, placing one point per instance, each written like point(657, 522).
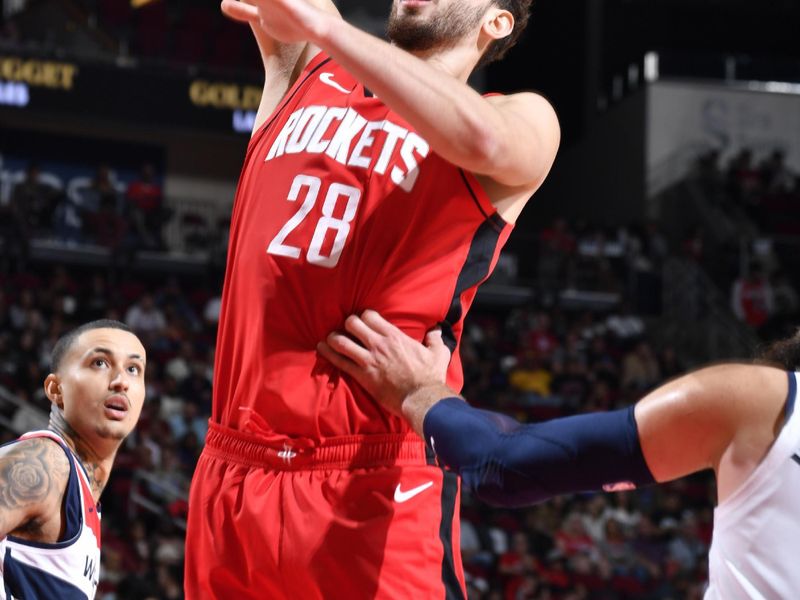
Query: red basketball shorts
point(357, 517)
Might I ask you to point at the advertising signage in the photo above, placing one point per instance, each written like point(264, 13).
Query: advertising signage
point(170, 98)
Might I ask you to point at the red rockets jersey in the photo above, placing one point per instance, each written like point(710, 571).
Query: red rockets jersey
point(340, 207)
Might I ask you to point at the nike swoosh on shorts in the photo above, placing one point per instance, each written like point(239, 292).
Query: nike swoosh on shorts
point(401, 496)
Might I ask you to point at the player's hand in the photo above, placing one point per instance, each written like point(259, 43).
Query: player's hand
point(286, 21)
point(387, 363)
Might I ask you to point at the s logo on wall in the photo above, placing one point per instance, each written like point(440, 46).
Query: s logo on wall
point(685, 119)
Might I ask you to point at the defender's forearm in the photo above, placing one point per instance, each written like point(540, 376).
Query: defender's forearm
point(506, 463)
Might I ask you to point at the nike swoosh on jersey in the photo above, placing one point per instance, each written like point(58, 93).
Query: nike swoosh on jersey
point(401, 496)
point(327, 79)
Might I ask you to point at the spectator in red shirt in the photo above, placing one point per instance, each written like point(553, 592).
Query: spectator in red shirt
point(541, 338)
point(146, 203)
point(752, 298)
point(572, 537)
point(518, 559)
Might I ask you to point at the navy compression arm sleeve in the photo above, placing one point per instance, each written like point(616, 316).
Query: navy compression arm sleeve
point(508, 464)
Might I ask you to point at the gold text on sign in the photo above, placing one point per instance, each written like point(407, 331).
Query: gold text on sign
point(224, 95)
point(38, 73)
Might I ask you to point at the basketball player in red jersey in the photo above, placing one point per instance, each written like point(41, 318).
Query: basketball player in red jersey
point(377, 178)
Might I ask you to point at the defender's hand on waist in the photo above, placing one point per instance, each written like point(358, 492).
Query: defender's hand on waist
point(385, 361)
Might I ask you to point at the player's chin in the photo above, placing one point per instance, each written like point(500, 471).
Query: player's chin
point(116, 431)
point(410, 34)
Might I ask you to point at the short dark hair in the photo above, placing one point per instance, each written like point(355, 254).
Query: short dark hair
point(521, 10)
point(784, 354)
point(65, 342)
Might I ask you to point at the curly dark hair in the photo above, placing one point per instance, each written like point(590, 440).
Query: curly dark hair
point(521, 10)
point(784, 354)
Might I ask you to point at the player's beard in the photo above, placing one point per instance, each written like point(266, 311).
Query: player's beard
point(439, 30)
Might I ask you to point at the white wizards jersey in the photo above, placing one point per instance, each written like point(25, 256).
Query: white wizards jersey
point(757, 529)
point(68, 569)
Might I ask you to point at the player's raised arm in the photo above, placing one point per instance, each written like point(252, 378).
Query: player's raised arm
point(512, 139)
point(33, 478)
point(283, 61)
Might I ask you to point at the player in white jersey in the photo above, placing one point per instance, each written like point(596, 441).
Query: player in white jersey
point(737, 419)
point(51, 480)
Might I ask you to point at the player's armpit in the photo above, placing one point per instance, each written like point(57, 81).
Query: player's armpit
point(283, 62)
point(33, 480)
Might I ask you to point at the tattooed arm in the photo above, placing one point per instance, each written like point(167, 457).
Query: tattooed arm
point(33, 480)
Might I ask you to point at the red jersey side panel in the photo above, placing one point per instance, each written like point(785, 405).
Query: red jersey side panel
point(341, 206)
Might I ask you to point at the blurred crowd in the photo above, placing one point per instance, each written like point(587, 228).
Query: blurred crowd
point(766, 195)
point(766, 188)
point(529, 362)
point(144, 505)
point(183, 32)
point(560, 355)
point(563, 353)
point(101, 211)
point(624, 261)
point(538, 364)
